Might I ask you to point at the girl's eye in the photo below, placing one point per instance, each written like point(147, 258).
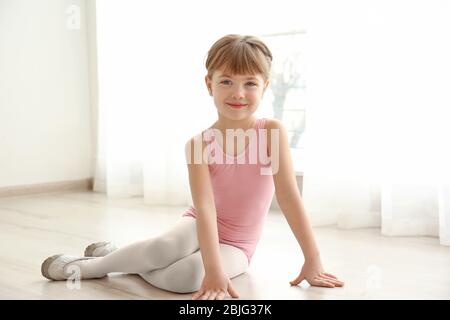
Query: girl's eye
point(227, 82)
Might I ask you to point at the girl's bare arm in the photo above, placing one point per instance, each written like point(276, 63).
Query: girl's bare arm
point(203, 200)
point(215, 284)
point(291, 204)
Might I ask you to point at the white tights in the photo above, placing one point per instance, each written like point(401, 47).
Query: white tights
point(171, 261)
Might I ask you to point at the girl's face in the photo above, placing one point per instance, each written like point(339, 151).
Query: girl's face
point(236, 96)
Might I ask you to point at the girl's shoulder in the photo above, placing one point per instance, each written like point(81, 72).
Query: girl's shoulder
point(270, 123)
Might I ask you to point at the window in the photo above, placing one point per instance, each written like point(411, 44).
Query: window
point(287, 86)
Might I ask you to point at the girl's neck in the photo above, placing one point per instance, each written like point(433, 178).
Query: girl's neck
point(245, 124)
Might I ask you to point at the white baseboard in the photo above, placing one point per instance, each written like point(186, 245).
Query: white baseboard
point(50, 187)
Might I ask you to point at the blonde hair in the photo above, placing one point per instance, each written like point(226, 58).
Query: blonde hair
point(238, 54)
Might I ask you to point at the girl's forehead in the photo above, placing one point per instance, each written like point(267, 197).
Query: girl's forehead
point(227, 74)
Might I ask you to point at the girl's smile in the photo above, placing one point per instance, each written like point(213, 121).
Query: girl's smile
point(236, 105)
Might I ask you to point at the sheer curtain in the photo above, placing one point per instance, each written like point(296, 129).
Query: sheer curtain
point(151, 92)
point(377, 137)
point(150, 89)
point(377, 78)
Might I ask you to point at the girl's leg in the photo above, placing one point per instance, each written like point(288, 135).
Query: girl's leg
point(146, 255)
point(186, 275)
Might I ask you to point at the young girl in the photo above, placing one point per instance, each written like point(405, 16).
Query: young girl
point(215, 239)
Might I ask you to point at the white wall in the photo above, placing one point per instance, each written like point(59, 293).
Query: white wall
point(45, 114)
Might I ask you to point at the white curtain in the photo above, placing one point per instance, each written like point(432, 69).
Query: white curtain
point(151, 92)
point(377, 79)
point(377, 122)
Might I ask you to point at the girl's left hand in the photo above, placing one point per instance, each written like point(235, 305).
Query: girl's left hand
point(312, 271)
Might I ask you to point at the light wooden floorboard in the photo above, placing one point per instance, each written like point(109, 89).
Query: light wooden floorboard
point(373, 266)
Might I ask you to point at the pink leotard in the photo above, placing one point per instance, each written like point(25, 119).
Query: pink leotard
point(242, 194)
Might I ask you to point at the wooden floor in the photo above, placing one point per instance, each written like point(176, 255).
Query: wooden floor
point(373, 266)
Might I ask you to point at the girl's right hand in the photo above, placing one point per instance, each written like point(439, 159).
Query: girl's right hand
point(215, 287)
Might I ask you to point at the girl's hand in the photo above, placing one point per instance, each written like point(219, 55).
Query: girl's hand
point(215, 287)
point(312, 271)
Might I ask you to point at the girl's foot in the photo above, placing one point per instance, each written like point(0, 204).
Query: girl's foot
point(55, 267)
point(99, 249)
